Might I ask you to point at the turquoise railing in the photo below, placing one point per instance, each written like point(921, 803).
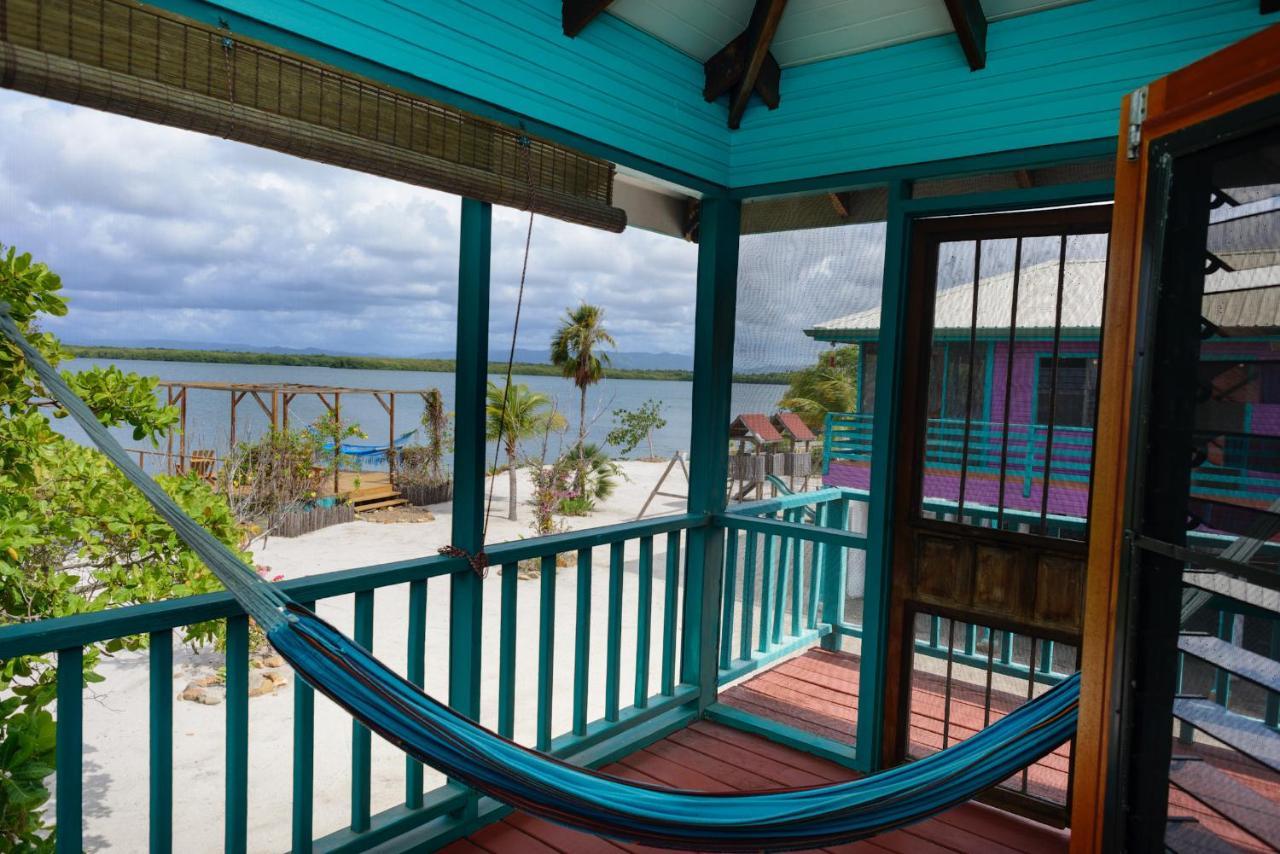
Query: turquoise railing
point(847, 437)
point(784, 577)
point(650, 708)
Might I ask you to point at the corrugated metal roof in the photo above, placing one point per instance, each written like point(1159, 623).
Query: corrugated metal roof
point(1253, 309)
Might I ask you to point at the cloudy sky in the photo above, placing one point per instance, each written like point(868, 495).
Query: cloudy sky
point(164, 236)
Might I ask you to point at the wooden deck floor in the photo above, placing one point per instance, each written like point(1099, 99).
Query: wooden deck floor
point(811, 691)
point(712, 757)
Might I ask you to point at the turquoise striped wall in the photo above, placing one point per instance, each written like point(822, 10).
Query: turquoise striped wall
point(613, 84)
point(1052, 77)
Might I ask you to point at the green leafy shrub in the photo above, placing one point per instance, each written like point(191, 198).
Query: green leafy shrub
point(75, 536)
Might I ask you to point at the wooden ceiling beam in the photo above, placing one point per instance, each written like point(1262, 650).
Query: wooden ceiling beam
point(745, 65)
point(576, 14)
point(971, 28)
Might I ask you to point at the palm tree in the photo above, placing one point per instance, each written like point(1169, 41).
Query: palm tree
point(829, 386)
point(526, 413)
point(573, 351)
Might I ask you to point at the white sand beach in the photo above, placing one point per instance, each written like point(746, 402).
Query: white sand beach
point(116, 718)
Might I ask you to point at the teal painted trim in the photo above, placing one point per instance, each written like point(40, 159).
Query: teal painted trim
point(393, 823)
point(605, 535)
point(786, 502)
point(766, 593)
point(715, 302)
point(728, 597)
point(601, 730)
point(1055, 76)
point(671, 594)
point(440, 832)
point(739, 667)
point(613, 634)
point(236, 806)
point(1008, 200)
point(887, 426)
point(46, 636)
point(466, 594)
point(1003, 161)
point(507, 651)
point(546, 648)
point(461, 61)
point(644, 628)
point(304, 713)
point(69, 751)
point(816, 745)
point(748, 595)
point(946, 375)
point(161, 754)
point(797, 579)
point(819, 533)
point(415, 672)
point(582, 644)
point(988, 381)
point(361, 738)
point(833, 574)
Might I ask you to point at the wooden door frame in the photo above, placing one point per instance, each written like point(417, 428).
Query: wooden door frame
point(1211, 88)
point(925, 236)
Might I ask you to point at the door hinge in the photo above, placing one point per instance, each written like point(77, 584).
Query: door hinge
point(1137, 115)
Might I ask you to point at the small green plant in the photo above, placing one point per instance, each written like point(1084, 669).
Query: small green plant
point(331, 433)
point(594, 477)
point(633, 426)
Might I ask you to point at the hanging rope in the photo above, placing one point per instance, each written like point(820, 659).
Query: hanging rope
point(480, 561)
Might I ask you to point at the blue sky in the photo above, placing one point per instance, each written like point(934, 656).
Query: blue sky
point(165, 235)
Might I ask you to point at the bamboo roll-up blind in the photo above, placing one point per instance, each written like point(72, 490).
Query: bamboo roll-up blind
point(127, 58)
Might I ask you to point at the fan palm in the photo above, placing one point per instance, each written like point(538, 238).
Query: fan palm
point(829, 386)
point(526, 413)
point(574, 351)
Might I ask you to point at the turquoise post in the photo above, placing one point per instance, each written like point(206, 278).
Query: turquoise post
point(644, 618)
point(582, 644)
point(507, 651)
point(416, 672)
point(304, 709)
point(546, 648)
point(613, 638)
point(161, 741)
point(833, 575)
point(161, 824)
point(728, 595)
point(465, 593)
point(716, 301)
point(69, 751)
point(236, 826)
point(886, 431)
point(670, 594)
point(361, 737)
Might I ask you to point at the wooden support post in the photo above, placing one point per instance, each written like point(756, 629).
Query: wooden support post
point(465, 589)
point(886, 433)
point(236, 397)
point(391, 437)
point(708, 461)
point(182, 440)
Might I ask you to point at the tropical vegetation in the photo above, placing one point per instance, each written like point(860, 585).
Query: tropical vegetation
point(829, 386)
point(633, 426)
point(514, 413)
point(75, 536)
point(577, 350)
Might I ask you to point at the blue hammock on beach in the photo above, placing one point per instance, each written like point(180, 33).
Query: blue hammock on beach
point(358, 449)
point(431, 732)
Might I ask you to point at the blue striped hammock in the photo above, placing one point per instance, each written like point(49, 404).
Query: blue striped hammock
point(578, 797)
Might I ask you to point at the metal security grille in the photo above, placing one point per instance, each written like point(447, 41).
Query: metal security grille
point(126, 58)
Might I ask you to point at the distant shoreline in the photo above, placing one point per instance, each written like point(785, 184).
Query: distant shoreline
point(381, 363)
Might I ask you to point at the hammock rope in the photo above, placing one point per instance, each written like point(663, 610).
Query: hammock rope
point(589, 800)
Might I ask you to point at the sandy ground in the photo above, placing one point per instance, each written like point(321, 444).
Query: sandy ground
point(116, 721)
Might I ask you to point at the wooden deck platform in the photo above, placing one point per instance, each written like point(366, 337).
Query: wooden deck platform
point(711, 757)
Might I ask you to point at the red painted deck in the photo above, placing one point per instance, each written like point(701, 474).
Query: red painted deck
point(711, 757)
point(816, 692)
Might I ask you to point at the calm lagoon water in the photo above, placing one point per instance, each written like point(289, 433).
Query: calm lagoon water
point(208, 413)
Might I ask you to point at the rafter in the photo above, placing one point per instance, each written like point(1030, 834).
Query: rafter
point(971, 28)
point(745, 64)
point(576, 14)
